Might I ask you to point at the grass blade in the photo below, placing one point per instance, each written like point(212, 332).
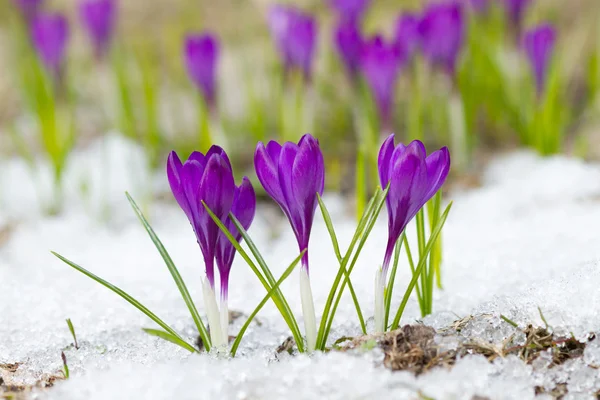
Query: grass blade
point(278, 297)
point(72, 330)
point(419, 269)
point(166, 336)
point(275, 287)
point(185, 294)
point(329, 224)
point(127, 297)
point(412, 270)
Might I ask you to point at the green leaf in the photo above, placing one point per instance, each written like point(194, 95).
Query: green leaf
point(329, 224)
point(269, 295)
point(128, 298)
point(420, 266)
point(168, 337)
point(278, 297)
point(185, 294)
point(72, 330)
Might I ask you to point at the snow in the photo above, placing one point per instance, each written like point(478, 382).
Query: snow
point(527, 238)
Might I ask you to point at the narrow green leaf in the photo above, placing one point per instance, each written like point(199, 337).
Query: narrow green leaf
point(412, 269)
point(72, 330)
point(329, 224)
point(125, 296)
point(185, 294)
point(269, 295)
point(278, 297)
point(168, 337)
point(420, 266)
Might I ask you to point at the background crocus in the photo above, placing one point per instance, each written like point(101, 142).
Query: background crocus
point(414, 178)
point(50, 33)
point(28, 8)
point(407, 34)
point(201, 54)
point(515, 10)
point(348, 42)
point(209, 179)
point(349, 10)
point(294, 33)
point(442, 34)
point(539, 44)
point(292, 175)
point(380, 66)
point(98, 19)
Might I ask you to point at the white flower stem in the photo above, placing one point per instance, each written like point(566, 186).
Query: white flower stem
point(308, 310)
point(379, 308)
point(212, 312)
point(225, 320)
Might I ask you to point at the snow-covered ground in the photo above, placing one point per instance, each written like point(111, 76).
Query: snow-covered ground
point(527, 238)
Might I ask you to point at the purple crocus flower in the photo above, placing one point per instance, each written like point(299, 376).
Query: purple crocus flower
point(407, 34)
point(205, 178)
point(201, 53)
point(350, 10)
point(539, 46)
point(380, 65)
point(295, 35)
point(243, 208)
point(414, 178)
point(442, 31)
point(50, 33)
point(348, 42)
point(98, 19)
point(292, 175)
point(28, 8)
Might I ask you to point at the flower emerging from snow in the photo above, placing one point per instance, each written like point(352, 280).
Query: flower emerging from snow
point(295, 34)
point(380, 65)
point(209, 179)
point(539, 46)
point(292, 175)
point(413, 179)
point(348, 42)
point(50, 33)
point(442, 32)
point(98, 19)
point(201, 54)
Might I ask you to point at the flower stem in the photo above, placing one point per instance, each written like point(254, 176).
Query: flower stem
point(212, 312)
point(224, 320)
point(379, 303)
point(308, 310)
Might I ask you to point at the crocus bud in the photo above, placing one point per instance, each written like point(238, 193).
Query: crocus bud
point(98, 19)
point(201, 53)
point(348, 42)
point(380, 66)
point(292, 175)
point(442, 32)
point(349, 10)
point(413, 178)
point(539, 44)
point(294, 33)
point(407, 34)
point(205, 178)
point(28, 8)
point(50, 33)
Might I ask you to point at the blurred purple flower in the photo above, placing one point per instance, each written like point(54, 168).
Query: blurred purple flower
point(201, 53)
point(539, 44)
point(414, 178)
point(295, 34)
point(205, 178)
point(348, 42)
point(29, 8)
point(442, 32)
point(479, 6)
point(350, 10)
point(243, 208)
point(292, 175)
point(515, 9)
point(50, 33)
point(407, 34)
point(98, 19)
point(380, 65)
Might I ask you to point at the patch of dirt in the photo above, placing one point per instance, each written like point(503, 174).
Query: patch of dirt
point(10, 389)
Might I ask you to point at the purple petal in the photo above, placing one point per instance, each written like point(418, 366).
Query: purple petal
point(383, 160)
point(350, 10)
point(407, 34)
point(348, 41)
point(214, 149)
point(174, 167)
point(50, 33)
point(438, 167)
point(286, 165)
point(267, 170)
point(201, 53)
point(539, 44)
point(98, 18)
